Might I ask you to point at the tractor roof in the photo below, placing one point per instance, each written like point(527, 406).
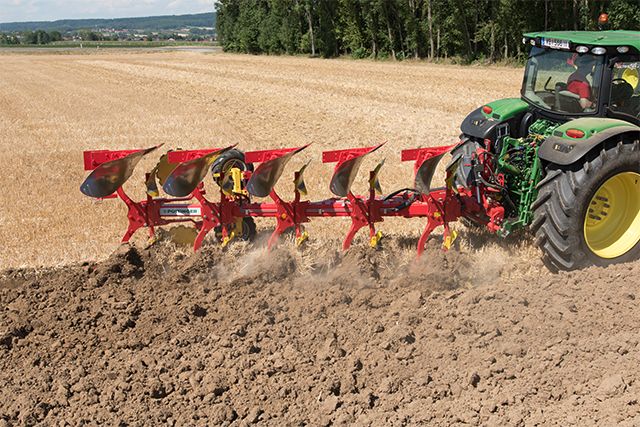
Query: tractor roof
point(594, 38)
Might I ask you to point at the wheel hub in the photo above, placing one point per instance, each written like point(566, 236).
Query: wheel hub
point(612, 221)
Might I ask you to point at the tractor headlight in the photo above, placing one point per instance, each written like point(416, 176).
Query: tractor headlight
point(622, 49)
point(582, 49)
point(599, 50)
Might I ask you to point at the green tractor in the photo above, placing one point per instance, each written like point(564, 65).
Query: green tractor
point(566, 154)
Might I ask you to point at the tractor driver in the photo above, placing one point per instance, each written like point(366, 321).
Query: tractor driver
point(578, 83)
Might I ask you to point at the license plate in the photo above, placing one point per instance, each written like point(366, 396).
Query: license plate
point(555, 43)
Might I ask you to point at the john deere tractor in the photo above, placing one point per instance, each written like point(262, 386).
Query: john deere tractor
point(565, 156)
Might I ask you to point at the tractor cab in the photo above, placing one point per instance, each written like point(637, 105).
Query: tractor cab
point(587, 73)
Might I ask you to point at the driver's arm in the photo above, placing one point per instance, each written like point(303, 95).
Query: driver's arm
point(585, 103)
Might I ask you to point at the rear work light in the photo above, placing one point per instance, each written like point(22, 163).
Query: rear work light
point(582, 49)
point(487, 110)
point(622, 49)
point(598, 50)
point(603, 19)
point(574, 133)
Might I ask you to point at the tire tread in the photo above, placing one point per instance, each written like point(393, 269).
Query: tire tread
point(555, 224)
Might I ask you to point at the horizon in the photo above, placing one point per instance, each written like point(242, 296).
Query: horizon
point(117, 17)
point(20, 11)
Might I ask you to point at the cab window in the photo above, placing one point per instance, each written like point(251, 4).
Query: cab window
point(625, 88)
point(563, 82)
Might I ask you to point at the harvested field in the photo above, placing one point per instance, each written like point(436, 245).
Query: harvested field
point(92, 333)
point(55, 106)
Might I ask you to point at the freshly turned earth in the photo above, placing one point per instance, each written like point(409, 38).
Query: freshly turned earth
point(158, 336)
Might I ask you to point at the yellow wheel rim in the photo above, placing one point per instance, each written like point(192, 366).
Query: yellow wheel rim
point(612, 222)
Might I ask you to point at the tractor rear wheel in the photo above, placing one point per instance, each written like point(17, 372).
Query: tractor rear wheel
point(589, 213)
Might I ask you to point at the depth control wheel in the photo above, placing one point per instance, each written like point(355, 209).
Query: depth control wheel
point(589, 213)
point(247, 234)
point(248, 229)
point(228, 160)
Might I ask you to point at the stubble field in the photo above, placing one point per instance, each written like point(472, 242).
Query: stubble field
point(54, 107)
point(94, 333)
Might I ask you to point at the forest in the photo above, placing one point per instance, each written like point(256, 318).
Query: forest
point(464, 30)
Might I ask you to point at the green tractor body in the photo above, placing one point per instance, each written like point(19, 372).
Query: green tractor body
point(566, 154)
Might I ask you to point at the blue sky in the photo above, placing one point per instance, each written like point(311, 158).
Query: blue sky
point(50, 10)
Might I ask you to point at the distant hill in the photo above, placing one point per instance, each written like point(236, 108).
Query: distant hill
point(151, 23)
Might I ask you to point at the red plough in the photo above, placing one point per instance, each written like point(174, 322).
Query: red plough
point(181, 174)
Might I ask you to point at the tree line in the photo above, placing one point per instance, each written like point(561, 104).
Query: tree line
point(41, 37)
point(466, 29)
point(30, 37)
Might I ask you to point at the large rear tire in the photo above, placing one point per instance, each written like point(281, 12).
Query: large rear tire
point(589, 213)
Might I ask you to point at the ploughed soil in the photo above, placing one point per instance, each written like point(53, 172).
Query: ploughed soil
point(159, 336)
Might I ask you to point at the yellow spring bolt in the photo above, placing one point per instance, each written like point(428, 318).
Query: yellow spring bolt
point(448, 241)
point(302, 238)
point(375, 239)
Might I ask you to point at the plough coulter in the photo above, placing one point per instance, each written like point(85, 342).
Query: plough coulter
point(562, 161)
